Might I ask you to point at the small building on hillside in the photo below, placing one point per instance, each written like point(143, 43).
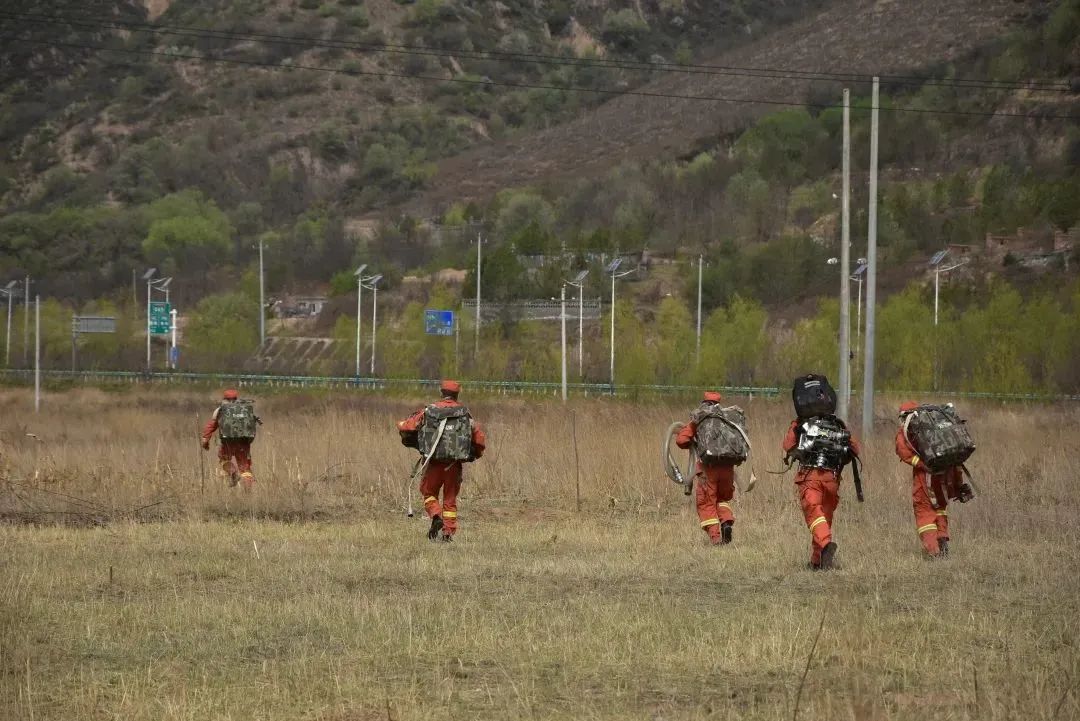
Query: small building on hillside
point(301, 306)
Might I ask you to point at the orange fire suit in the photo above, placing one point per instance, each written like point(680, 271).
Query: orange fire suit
point(929, 495)
point(230, 452)
point(714, 489)
point(442, 476)
point(819, 495)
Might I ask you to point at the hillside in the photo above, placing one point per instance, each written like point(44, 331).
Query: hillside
point(861, 37)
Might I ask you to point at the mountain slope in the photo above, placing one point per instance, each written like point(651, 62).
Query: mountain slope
point(856, 36)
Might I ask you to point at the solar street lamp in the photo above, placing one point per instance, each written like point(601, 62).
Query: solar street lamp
point(359, 273)
point(612, 269)
point(373, 285)
point(579, 283)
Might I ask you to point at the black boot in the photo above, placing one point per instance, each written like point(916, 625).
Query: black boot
point(446, 538)
point(436, 526)
point(943, 548)
point(726, 529)
point(827, 555)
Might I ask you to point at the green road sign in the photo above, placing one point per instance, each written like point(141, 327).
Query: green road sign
point(158, 322)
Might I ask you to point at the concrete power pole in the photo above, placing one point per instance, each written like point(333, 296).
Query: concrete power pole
point(262, 302)
point(845, 266)
point(37, 351)
point(700, 262)
point(26, 324)
point(871, 273)
point(562, 318)
point(476, 340)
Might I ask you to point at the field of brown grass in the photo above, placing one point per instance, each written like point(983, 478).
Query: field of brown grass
point(134, 587)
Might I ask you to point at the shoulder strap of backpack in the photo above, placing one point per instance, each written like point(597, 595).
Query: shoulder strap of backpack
point(907, 422)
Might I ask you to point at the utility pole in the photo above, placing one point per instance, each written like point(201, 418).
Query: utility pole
point(612, 270)
point(37, 352)
point(700, 263)
point(562, 317)
point(148, 325)
point(612, 375)
point(476, 341)
point(374, 320)
point(10, 291)
point(359, 273)
point(579, 283)
point(845, 266)
point(26, 323)
point(871, 273)
point(262, 301)
point(172, 347)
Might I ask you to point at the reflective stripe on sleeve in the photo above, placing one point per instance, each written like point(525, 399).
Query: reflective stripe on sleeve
point(915, 461)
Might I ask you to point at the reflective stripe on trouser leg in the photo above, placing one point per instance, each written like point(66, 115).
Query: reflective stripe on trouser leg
point(942, 522)
point(710, 522)
point(927, 528)
point(725, 512)
point(820, 531)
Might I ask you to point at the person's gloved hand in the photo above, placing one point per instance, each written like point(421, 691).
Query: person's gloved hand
point(206, 445)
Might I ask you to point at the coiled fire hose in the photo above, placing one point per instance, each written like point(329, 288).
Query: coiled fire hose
point(686, 480)
point(671, 468)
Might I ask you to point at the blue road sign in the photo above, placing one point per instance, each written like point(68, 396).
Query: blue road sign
point(439, 322)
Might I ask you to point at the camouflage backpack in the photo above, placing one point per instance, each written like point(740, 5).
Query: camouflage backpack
point(939, 436)
point(721, 435)
point(236, 421)
point(455, 443)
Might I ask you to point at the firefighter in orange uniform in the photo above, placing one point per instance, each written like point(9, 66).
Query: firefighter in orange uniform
point(439, 475)
point(930, 493)
point(715, 485)
point(230, 451)
point(819, 495)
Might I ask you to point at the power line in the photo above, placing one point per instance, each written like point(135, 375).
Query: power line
point(536, 58)
point(534, 86)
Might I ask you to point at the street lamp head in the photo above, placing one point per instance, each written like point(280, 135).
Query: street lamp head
point(860, 261)
point(11, 285)
point(860, 270)
point(375, 279)
point(938, 257)
point(580, 277)
point(149, 274)
point(360, 271)
point(833, 261)
point(613, 266)
point(163, 284)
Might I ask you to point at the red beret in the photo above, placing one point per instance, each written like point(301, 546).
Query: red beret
point(231, 394)
point(713, 396)
point(450, 387)
point(908, 406)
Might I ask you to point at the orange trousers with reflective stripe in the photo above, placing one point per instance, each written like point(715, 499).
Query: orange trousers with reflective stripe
point(715, 489)
point(444, 477)
point(932, 520)
point(819, 494)
point(240, 451)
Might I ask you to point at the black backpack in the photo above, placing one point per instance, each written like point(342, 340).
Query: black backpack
point(813, 396)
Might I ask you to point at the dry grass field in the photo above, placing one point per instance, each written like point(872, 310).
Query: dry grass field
point(131, 588)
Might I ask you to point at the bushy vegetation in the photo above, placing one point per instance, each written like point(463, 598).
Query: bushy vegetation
point(188, 168)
